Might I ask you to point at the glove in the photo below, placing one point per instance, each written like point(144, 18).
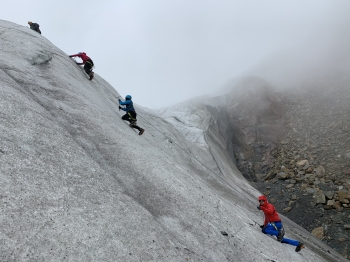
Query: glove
point(120, 107)
point(70, 56)
point(262, 226)
point(258, 207)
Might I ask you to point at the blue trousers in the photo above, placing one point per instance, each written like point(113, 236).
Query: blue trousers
point(271, 230)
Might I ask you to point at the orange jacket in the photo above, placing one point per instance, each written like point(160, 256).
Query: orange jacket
point(269, 210)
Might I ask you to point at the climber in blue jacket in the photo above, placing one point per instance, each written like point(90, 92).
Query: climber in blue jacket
point(130, 113)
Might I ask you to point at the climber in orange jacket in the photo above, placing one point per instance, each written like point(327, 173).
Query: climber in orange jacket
point(273, 224)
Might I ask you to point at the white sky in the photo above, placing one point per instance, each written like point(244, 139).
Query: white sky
point(165, 51)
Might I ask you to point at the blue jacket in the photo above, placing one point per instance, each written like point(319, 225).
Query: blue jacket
point(128, 105)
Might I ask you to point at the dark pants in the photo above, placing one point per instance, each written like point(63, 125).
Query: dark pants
point(131, 116)
point(35, 27)
point(88, 66)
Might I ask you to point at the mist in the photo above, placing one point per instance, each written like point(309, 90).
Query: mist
point(164, 52)
point(317, 55)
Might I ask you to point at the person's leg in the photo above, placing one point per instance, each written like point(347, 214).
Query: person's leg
point(270, 230)
point(132, 116)
point(136, 127)
point(139, 128)
point(126, 117)
point(290, 241)
point(87, 68)
point(280, 229)
point(133, 124)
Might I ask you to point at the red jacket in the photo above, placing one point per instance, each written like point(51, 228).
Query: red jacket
point(269, 210)
point(83, 57)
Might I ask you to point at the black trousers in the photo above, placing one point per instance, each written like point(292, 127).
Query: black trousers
point(131, 116)
point(88, 66)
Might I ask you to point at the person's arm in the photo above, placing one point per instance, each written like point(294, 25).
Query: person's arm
point(268, 210)
point(74, 55)
point(265, 218)
point(126, 102)
point(265, 221)
point(78, 56)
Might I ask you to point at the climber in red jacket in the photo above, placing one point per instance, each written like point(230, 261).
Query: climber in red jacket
point(273, 224)
point(87, 62)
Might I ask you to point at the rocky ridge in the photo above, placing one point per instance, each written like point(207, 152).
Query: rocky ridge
point(309, 178)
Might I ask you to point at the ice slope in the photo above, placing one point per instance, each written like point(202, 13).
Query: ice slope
point(78, 184)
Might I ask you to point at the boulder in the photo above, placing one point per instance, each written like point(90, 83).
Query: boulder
point(259, 177)
point(330, 203)
point(287, 209)
point(318, 232)
point(282, 176)
point(320, 198)
point(302, 164)
point(329, 194)
point(310, 190)
point(347, 184)
point(337, 205)
point(270, 175)
point(320, 171)
point(303, 186)
point(309, 170)
point(345, 201)
point(284, 169)
point(343, 196)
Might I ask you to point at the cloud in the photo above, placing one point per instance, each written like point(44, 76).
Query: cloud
point(164, 52)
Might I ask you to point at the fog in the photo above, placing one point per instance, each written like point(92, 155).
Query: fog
point(321, 53)
point(164, 52)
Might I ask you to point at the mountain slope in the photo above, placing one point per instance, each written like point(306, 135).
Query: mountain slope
point(78, 184)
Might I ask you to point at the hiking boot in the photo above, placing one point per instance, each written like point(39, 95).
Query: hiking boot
point(280, 234)
point(132, 123)
point(91, 75)
point(141, 131)
point(299, 247)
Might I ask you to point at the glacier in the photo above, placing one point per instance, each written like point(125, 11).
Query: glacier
point(78, 184)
